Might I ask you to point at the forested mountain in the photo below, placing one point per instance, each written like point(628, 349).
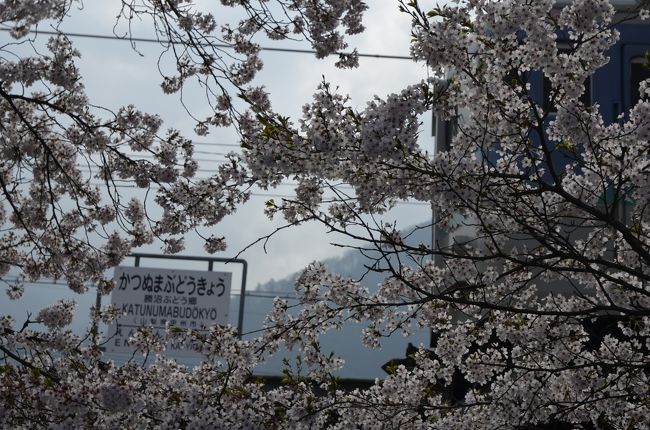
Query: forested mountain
point(361, 362)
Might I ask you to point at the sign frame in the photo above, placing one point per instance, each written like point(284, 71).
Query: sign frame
point(210, 261)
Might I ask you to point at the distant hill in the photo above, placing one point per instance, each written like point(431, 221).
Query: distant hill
point(360, 361)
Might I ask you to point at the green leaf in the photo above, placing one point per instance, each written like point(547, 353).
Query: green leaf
point(566, 146)
point(392, 368)
point(48, 382)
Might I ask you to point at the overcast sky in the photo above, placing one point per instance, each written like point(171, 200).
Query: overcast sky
point(115, 75)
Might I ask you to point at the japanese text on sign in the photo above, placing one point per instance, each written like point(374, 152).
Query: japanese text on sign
point(155, 297)
point(176, 283)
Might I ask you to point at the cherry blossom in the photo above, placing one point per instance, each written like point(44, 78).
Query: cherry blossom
point(536, 295)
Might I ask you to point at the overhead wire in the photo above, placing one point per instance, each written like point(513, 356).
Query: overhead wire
point(216, 45)
point(126, 183)
point(272, 195)
point(262, 294)
point(235, 145)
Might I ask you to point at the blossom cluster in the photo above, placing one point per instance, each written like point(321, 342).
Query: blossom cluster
point(536, 290)
point(57, 315)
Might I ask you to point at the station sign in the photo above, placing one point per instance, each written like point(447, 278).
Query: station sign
point(155, 298)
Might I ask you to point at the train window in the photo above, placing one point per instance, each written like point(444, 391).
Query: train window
point(639, 71)
point(550, 107)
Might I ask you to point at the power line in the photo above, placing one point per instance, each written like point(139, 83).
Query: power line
point(211, 152)
point(272, 195)
point(231, 145)
point(200, 178)
point(89, 169)
point(148, 157)
point(127, 183)
point(264, 294)
point(216, 45)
